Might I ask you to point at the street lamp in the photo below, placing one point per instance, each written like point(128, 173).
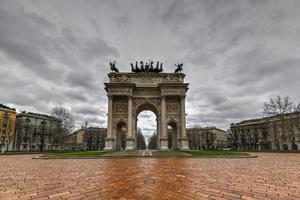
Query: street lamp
point(4, 133)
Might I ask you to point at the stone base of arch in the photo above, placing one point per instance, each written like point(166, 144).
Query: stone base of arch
point(130, 144)
point(109, 144)
point(184, 145)
point(163, 145)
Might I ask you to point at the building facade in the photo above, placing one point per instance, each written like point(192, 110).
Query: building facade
point(37, 132)
point(280, 132)
point(86, 139)
point(206, 138)
point(7, 127)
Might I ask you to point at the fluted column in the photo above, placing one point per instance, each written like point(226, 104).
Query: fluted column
point(183, 138)
point(130, 139)
point(163, 138)
point(109, 137)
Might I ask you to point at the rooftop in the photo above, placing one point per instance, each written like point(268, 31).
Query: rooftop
point(6, 107)
point(32, 114)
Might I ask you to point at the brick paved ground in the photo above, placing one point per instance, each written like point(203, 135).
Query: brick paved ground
point(270, 176)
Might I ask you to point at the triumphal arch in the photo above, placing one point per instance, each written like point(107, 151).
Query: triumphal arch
point(146, 88)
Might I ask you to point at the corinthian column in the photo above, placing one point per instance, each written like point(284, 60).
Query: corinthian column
point(130, 139)
point(183, 139)
point(163, 138)
point(109, 137)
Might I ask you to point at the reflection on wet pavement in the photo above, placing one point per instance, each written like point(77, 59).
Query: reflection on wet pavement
point(271, 175)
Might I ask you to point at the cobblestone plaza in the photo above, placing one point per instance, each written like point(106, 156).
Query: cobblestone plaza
point(269, 176)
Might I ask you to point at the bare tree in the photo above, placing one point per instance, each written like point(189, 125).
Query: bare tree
point(278, 106)
point(209, 138)
point(22, 134)
point(67, 121)
point(55, 135)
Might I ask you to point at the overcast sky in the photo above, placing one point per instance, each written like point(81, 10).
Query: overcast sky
point(236, 54)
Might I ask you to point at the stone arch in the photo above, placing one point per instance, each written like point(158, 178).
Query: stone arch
point(121, 134)
point(147, 106)
point(130, 93)
point(173, 139)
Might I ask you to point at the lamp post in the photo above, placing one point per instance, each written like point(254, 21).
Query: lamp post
point(4, 132)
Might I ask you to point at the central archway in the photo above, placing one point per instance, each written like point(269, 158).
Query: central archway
point(147, 106)
point(146, 128)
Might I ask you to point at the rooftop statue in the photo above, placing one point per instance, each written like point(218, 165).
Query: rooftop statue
point(113, 67)
point(179, 67)
point(147, 67)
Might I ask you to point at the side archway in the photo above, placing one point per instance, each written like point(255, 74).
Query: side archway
point(173, 143)
point(121, 135)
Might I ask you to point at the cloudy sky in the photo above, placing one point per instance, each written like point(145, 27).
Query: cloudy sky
point(236, 54)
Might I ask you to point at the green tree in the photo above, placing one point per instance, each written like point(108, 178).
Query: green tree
point(153, 141)
point(141, 144)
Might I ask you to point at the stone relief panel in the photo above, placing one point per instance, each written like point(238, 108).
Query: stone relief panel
point(120, 104)
point(173, 108)
point(120, 90)
point(173, 91)
point(144, 92)
point(173, 79)
point(146, 81)
point(119, 78)
point(121, 108)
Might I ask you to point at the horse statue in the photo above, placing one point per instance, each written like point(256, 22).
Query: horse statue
point(132, 68)
point(113, 67)
point(160, 68)
point(179, 67)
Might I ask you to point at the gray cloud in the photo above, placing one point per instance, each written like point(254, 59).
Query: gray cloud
point(237, 54)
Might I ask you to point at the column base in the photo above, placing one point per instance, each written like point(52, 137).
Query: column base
point(184, 145)
point(108, 145)
point(130, 145)
point(163, 145)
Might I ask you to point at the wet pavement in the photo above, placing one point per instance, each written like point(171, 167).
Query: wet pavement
point(270, 176)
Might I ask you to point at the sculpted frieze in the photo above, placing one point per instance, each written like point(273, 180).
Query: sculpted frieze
point(121, 108)
point(146, 81)
point(119, 78)
point(120, 90)
point(173, 79)
point(172, 108)
point(171, 91)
